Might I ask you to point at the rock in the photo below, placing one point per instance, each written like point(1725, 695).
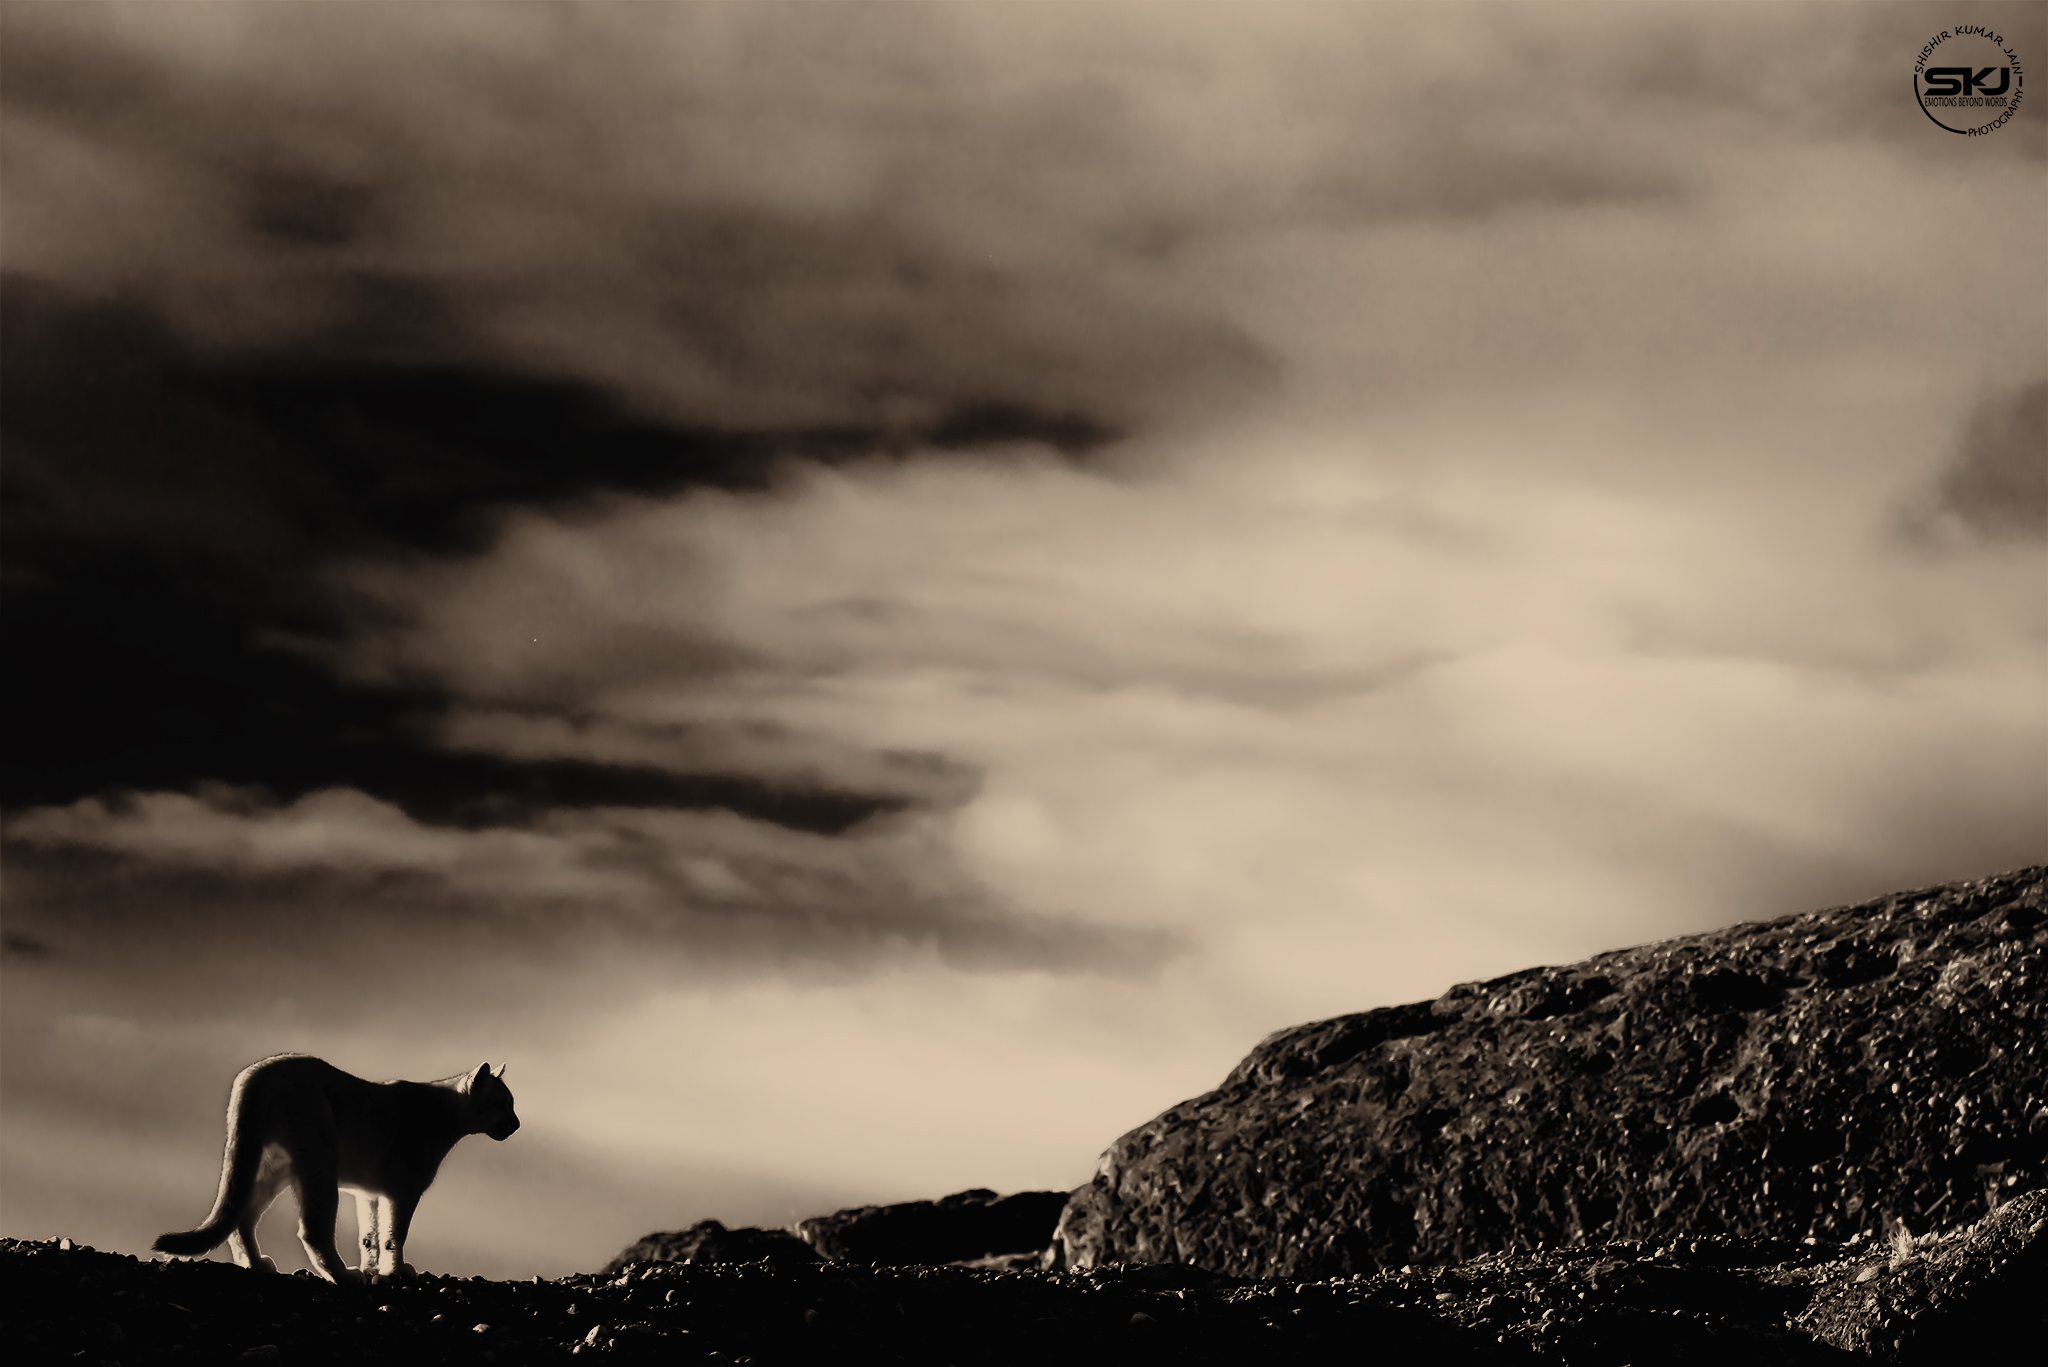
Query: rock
point(1963, 1298)
point(966, 1225)
point(1029, 1261)
point(708, 1241)
point(1807, 1077)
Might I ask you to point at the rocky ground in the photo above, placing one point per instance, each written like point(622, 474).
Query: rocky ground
point(1958, 1297)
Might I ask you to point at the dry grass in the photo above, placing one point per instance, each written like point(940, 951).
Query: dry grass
point(1903, 1245)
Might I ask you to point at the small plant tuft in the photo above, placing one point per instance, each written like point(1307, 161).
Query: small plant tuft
point(1902, 1245)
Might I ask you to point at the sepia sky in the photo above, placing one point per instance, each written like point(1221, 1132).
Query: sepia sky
point(870, 594)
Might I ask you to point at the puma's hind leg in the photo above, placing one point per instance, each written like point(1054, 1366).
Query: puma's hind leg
point(272, 1174)
point(319, 1201)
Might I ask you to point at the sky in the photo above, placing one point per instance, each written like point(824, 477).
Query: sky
point(869, 595)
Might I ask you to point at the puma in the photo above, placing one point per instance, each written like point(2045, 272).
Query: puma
point(295, 1120)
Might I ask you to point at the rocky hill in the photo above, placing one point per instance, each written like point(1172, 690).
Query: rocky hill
point(1824, 1076)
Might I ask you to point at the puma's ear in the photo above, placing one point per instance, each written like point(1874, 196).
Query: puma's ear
point(501, 1070)
point(483, 1070)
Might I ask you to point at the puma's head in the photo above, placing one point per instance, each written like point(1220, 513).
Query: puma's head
point(490, 1102)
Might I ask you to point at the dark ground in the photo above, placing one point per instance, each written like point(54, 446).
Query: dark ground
point(1970, 1294)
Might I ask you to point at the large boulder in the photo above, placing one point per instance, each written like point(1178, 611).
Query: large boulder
point(708, 1241)
point(1813, 1076)
point(966, 1225)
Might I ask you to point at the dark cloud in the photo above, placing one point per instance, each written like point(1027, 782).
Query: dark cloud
point(388, 291)
point(162, 518)
point(26, 946)
point(769, 752)
point(1998, 483)
point(550, 193)
point(174, 908)
point(171, 515)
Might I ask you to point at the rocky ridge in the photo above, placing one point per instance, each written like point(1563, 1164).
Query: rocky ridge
point(975, 1227)
point(1971, 1295)
point(1813, 1076)
point(708, 1241)
point(965, 1226)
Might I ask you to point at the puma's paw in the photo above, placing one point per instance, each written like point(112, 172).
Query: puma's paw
point(263, 1263)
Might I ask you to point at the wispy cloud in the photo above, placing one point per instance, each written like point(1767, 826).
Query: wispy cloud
point(340, 876)
point(1231, 657)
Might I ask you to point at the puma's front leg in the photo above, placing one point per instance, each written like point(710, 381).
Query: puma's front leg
point(397, 1211)
point(369, 1230)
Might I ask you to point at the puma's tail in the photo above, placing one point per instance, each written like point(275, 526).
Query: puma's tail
point(237, 1187)
point(193, 1243)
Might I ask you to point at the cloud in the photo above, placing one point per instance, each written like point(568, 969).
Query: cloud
point(174, 524)
point(761, 751)
point(716, 215)
point(1293, 678)
point(1182, 368)
point(392, 284)
point(211, 896)
point(885, 224)
point(286, 290)
point(1998, 484)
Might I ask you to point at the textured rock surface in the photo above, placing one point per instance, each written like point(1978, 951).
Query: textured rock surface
point(708, 1241)
point(1964, 1297)
point(1811, 1076)
point(964, 1226)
